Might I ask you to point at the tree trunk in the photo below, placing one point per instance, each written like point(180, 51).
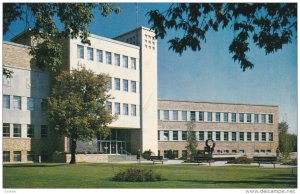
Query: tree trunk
point(73, 151)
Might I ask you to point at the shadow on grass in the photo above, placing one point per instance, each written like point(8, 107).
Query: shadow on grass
point(31, 165)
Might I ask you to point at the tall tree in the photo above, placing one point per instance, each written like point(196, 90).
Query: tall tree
point(269, 25)
point(192, 143)
point(50, 22)
point(285, 139)
point(77, 106)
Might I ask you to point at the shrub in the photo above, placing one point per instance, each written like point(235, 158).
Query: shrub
point(147, 154)
point(137, 175)
point(241, 160)
point(290, 162)
point(170, 154)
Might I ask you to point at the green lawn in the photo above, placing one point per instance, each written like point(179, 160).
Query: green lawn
point(176, 176)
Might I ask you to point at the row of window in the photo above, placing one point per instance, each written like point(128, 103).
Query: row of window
point(216, 136)
point(125, 108)
point(17, 156)
point(125, 88)
point(215, 116)
point(108, 57)
point(32, 103)
point(17, 130)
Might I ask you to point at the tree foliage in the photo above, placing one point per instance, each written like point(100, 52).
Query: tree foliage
point(50, 22)
point(287, 142)
point(269, 25)
point(77, 106)
point(192, 143)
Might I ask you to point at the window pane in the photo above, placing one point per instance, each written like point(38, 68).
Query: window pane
point(201, 116)
point(256, 136)
point(166, 115)
point(218, 116)
point(184, 115)
point(175, 135)
point(248, 136)
point(270, 136)
point(166, 135)
point(44, 104)
point(117, 84)
point(30, 131)
point(233, 117)
point(263, 136)
point(218, 136)
point(17, 102)
point(100, 56)
point(263, 118)
point(225, 117)
point(44, 131)
point(233, 136)
point(117, 108)
point(175, 115)
point(270, 118)
point(109, 107)
point(241, 116)
point(248, 118)
point(6, 130)
point(225, 136)
point(133, 63)
point(125, 109)
point(193, 115)
point(108, 58)
point(17, 130)
point(30, 156)
point(201, 135)
point(241, 136)
point(30, 104)
point(6, 156)
point(133, 110)
point(184, 135)
point(117, 59)
point(80, 52)
point(6, 101)
point(256, 118)
point(125, 61)
point(209, 135)
point(133, 86)
point(125, 85)
point(90, 53)
point(209, 116)
point(109, 84)
point(17, 156)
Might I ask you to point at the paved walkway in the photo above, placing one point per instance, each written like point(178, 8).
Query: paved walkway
point(217, 163)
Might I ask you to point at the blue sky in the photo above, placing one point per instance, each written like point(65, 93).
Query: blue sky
point(211, 74)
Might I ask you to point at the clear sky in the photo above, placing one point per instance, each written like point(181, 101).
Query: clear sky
point(211, 74)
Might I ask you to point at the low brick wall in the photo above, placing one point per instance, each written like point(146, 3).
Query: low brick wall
point(92, 158)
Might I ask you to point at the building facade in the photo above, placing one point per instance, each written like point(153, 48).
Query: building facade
point(130, 60)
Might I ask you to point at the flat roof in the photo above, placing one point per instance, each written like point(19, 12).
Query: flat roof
point(138, 28)
point(207, 102)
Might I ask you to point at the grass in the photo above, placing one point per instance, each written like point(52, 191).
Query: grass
point(176, 176)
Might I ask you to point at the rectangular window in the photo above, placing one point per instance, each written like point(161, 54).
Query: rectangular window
point(256, 136)
point(209, 135)
point(17, 130)
point(17, 156)
point(175, 115)
point(44, 131)
point(233, 136)
point(241, 136)
point(30, 104)
point(30, 130)
point(108, 58)
point(263, 136)
point(166, 115)
point(44, 104)
point(133, 110)
point(255, 118)
point(133, 63)
point(117, 84)
point(6, 130)
point(175, 153)
point(175, 135)
point(125, 61)
point(248, 136)
point(184, 135)
point(201, 116)
point(225, 136)
point(17, 102)
point(241, 117)
point(270, 136)
point(30, 156)
point(90, 54)
point(6, 156)
point(218, 136)
point(263, 118)
point(100, 56)
point(233, 117)
point(166, 135)
point(248, 115)
point(80, 52)
point(201, 135)
point(133, 86)
point(109, 107)
point(109, 84)
point(125, 85)
point(117, 108)
point(117, 60)
point(270, 118)
point(218, 116)
point(193, 115)
point(165, 153)
point(6, 101)
point(158, 135)
point(225, 116)
point(183, 115)
point(209, 116)
point(125, 109)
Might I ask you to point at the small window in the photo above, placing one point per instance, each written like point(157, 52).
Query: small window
point(184, 135)
point(17, 102)
point(17, 130)
point(175, 135)
point(256, 136)
point(6, 101)
point(270, 136)
point(6, 130)
point(248, 136)
point(166, 115)
point(201, 116)
point(241, 116)
point(109, 107)
point(225, 116)
point(241, 136)
point(100, 56)
point(263, 136)
point(133, 63)
point(125, 85)
point(30, 104)
point(133, 110)
point(193, 115)
point(218, 116)
point(201, 135)
point(184, 115)
point(117, 108)
point(248, 115)
point(30, 131)
point(233, 136)
point(17, 156)
point(44, 131)
point(175, 153)
point(6, 156)
point(209, 116)
point(109, 84)
point(90, 54)
point(255, 118)
point(133, 86)
point(117, 60)
point(108, 58)
point(233, 151)
point(30, 156)
point(166, 135)
point(125, 61)
point(209, 135)
point(218, 136)
point(125, 109)
point(233, 117)
point(117, 84)
point(175, 115)
point(80, 52)
point(263, 118)
point(270, 118)
point(225, 136)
